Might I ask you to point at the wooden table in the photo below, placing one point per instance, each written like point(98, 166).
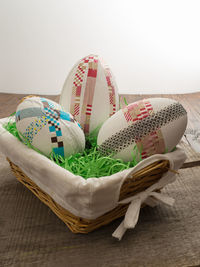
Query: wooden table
point(32, 235)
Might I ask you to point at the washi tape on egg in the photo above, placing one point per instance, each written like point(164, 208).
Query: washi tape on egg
point(90, 93)
point(143, 128)
point(46, 126)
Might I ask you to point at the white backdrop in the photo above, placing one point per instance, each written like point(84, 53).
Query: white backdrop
point(152, 46)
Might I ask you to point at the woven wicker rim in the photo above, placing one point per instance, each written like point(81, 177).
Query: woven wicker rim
point(138, 182)
point(28, 96)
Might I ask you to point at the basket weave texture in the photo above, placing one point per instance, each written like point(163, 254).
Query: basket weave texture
point(138, 182)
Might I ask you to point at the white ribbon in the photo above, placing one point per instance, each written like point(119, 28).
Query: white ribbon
point(149, 197)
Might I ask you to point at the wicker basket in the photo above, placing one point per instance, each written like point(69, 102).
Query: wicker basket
point(140, 181)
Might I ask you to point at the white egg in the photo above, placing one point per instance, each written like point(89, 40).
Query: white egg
point(90, 93)
point(143, 128)
point(44, 124)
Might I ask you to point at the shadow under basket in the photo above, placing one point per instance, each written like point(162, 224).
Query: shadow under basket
point(138, 182)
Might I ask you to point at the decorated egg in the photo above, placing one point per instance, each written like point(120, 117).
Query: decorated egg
point(143, 128)
point(42, 123)
point(90, 93)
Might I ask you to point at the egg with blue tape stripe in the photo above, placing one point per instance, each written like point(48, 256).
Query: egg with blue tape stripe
point(43, 124)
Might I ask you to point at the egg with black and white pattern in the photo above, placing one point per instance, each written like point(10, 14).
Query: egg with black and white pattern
point(143, 128)
point(43, 124)
point(90, 93)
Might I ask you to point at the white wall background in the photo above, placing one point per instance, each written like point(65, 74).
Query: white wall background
point(152, 46)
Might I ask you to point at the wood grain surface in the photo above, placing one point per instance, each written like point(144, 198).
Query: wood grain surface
point(31, 235)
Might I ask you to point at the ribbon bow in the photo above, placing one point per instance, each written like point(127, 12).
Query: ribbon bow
point(132, 214)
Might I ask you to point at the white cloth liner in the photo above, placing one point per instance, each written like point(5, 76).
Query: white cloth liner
point(86, 198)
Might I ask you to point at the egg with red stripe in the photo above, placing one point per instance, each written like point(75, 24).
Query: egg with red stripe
point(143, 128)
point(90, 93)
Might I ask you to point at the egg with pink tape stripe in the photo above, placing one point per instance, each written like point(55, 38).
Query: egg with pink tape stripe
point(143, 128)
point(90, 93)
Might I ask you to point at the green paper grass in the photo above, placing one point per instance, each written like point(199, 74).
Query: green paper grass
point(125, 101)
point(89, 163)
